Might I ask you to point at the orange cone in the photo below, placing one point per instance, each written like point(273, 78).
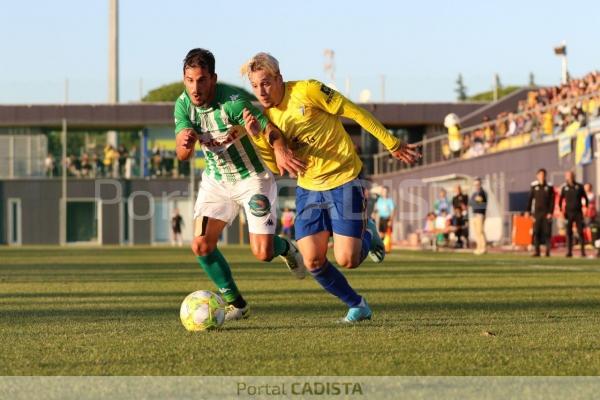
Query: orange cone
point(387, 240)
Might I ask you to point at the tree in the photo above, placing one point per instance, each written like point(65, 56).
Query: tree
point(497, 82)
point(461, 89)
point(171, 91)
point(531, 79)
point(489, 95)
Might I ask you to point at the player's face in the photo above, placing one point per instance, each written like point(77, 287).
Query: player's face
point(569, 177)
point(267, 88)
point(541, 176)
point(200, 85)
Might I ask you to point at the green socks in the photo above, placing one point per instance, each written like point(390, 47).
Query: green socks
point(280, 246)
point(217, 269)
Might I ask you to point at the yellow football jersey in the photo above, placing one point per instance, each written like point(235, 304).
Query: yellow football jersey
point(309, 118)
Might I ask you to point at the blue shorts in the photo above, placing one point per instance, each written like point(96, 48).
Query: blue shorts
point(342, 210)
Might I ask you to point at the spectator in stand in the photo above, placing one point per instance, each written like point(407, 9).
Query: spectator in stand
point(478, 203)
point(477, 143)
point(156, 161)
point(512, 125)
point(123, 154)
point(86, 166)
point(467, 151)
point(168, 162)
point(49, 165)
point(287, 222)
point(501, 125)
point(489, 134)
point(73, 166)
point(589, 212)
point(111, 156)
point(98, 166)
point(441, 203)
point(130, 163)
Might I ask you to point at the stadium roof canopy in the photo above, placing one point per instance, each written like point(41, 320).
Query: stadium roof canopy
point(141, 115)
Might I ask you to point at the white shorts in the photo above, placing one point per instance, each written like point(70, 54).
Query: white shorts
point(256, 194)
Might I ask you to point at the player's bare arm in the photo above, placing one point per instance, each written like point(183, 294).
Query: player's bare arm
point(284, 157)
point(185, 143)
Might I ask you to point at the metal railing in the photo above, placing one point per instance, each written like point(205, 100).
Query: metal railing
point(436, 150)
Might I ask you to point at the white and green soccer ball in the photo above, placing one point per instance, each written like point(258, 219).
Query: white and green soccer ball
point(202, 310)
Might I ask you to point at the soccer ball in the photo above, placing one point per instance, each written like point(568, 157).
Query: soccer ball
point(202, 310)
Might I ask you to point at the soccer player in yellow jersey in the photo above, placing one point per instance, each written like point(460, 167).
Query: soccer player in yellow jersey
point(330, 198)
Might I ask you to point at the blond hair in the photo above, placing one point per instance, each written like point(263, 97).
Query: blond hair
point(261, 62)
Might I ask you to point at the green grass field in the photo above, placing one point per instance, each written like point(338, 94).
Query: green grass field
point(115, 311)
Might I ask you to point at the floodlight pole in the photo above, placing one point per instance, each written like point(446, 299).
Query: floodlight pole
point(561, 51)
point(113, 62)
point(564, 73)
point(63, 198)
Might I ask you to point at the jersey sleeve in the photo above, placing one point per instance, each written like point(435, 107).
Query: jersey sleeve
point(329, 100)
point(368, 122)
point(182, 119)
point(323, 96)
point(236, 112)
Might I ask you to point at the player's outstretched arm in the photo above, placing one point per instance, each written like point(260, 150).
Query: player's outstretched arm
point(185, 142)
point(407, 153)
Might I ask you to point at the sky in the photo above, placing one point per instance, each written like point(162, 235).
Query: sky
point(418, 47)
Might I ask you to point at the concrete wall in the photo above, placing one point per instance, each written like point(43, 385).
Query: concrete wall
point(508, 172)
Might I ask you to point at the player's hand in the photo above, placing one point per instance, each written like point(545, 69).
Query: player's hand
point(407, 153)
point(548, 216)
point(251, 123)
point(287, 162)
point(189, 138)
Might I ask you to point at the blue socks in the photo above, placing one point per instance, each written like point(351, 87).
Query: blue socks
point(333, 281)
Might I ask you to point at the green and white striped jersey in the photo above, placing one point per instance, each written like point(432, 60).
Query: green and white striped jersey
point(230, 154)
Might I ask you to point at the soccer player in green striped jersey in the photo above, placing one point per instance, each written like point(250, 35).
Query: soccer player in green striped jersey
point(235, 175)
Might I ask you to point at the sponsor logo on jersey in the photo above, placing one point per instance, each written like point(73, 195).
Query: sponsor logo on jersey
point(211, 141)
point(329, 92)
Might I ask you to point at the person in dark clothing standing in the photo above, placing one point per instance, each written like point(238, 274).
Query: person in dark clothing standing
point(458, 226)
point(176, 224)
point(478, 204)
point(573, 195)
point(461, 201)
point(543, 194)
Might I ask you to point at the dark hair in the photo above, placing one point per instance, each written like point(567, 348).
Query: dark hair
point(542, 170)
point(201, 58)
